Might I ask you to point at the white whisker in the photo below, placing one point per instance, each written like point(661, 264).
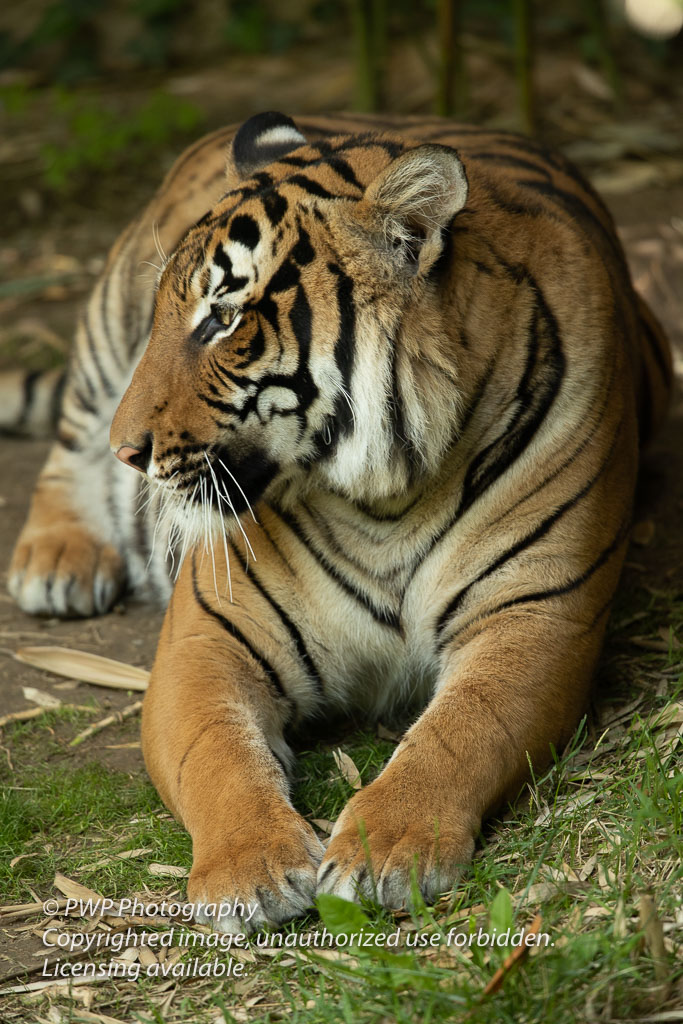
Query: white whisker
point(227, 497)
point(220, 516)
point(157, 242)
point(349, 402)
point(213, 556)
point(237, 484)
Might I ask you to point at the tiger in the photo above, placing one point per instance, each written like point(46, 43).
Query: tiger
point(384, 402)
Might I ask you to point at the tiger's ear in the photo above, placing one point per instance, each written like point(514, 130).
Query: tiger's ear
point(417, 196)
point(260, 141)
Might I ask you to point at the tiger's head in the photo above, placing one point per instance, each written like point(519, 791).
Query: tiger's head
point(297, 335)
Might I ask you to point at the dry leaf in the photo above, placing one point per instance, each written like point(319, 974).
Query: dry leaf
point(592, 82)
point(126, 855)
point(597, 912)
point(167, 871)
point(588, 868)
point(323, 824)
point(347, 768)
point(88, 668)
point(129, 955)
point(386, 734)
point(606, 878)
point(541, 891)
point(40, 697)
point(74, 890)
point(22, 856)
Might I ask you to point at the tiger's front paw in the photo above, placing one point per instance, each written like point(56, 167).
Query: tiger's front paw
point(63, 570)
point(384, 835)
point(256, 877)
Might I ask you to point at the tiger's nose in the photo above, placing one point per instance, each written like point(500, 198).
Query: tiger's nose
point(136, 458)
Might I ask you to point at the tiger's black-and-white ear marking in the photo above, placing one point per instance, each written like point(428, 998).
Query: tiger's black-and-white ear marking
point(418, 195)
point(263, 139)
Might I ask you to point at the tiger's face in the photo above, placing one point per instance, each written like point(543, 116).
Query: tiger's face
point(272, 360)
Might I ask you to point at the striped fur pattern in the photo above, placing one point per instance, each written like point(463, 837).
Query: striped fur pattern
point(386, 397)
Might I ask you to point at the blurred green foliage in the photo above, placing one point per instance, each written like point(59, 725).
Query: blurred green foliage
point(98, 137)
point(76, 34)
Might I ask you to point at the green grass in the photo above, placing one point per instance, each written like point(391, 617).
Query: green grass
point(582, 845)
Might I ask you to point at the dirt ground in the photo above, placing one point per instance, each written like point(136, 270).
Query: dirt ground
point(71, 237)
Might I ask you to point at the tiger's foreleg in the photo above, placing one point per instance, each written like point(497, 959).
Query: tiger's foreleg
point(516, 686)
point(212, 728)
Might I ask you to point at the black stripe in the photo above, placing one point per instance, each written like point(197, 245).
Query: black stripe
point(275, 206)
point(235, 632)
point(293, 631)
point(607, 393)
point(303, 252)
point(104, 316)
point(285, 277)
point(536, 391)
point(341, 422)
point(578, 210)
point(645, 404)
point(314, 188)
point(92, 349)
point(29, 394)
point(57, 397)
point(380, 615)
point(396, 409)
point(328, 159)
point(508, 160)
point(387, 517)
point(540, 531)
point(230, 282)
point(551, 592)
point(83, 401)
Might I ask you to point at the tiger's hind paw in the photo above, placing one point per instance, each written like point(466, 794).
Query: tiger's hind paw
point(64, 571)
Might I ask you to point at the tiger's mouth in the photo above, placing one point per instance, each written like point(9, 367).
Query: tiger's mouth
point(219, 483)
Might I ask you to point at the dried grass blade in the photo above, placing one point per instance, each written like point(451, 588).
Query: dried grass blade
point(86, 667)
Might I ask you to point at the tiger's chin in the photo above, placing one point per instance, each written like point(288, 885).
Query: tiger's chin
point(212, 506)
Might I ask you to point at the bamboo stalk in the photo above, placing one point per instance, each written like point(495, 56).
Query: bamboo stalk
point(451, 82)
point(524, 55)
point(597, 22)
point(369, 24)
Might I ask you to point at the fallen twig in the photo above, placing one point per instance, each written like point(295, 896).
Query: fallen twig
point(117, 716)
point(518, 953)
point(24, 716)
